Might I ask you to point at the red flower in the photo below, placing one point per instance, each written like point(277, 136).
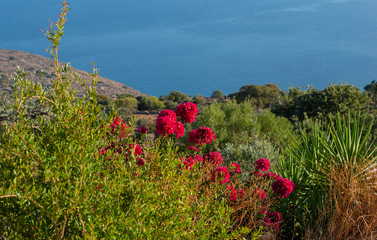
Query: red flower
point(168, 113)
point(193, 148)
point(276, 218)
point(198, 158)
point(135, 149)
point(267, 221)
point(102, 151)
point(179, 130)
point(166, 122)
point(213, 157)
point(261, 194)
point(187, 111)
point(221, 175)
point(140, 162)
point(142, 130)
point(236, 167)
point(118, 127)
point(283, 187)
point(241, 193)
point(232, 193)
point(262, 164)
point(201, 136)
point(189, 162)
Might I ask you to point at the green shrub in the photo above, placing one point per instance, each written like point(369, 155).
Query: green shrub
point(217, 94)
point(199, 100)
point(275, 129)
point(104, 100)
point(316, 104)
point(247, 154)
point(149, 103)
point(232, 122)
point(177, 97)
point(128, 103)
point(125, 95)
point(260, 96)
point(72, 173)
point(125, 113)
point(170, 105)
point(149, 123)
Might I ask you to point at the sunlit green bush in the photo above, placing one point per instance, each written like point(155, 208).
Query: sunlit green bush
point(70, 172)
point(149, 103)
point(247, 154)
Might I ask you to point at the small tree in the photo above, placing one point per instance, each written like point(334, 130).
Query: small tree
point(199, 100)
point(103, 100)
point(129, 103)
point(124, 95)
point(149, 103)
point(170, 105)
point(318, 104)
point(260, 96)
point(177, 97)
point(217, 94)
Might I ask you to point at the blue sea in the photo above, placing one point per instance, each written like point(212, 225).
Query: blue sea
point(198, 46)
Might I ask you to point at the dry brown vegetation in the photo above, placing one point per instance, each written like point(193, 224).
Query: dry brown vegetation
point(10, 59)
point(351, 212)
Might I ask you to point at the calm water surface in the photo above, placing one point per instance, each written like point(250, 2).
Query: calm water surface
point(196, 47)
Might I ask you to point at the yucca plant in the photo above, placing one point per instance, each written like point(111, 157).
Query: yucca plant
point(342, 142)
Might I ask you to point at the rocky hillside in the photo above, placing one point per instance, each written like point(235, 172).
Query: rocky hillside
point(10, 59)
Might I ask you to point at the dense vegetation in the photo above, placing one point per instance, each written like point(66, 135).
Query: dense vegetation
point(259, 164)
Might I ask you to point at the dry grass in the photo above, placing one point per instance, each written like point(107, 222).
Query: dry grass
point(351, 212)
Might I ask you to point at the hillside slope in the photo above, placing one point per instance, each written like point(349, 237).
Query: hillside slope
point(10, 59)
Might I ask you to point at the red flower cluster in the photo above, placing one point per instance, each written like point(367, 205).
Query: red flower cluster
point(221, 175)
point(193, 148)
point(179, 130)
point(142, 130)
point(261, 194)
point(201, 136)
point(198, 158)
point(262, 164)
point(118, 125)
point(273, 218)
point(236, 167)
point(166, 124)
point(187, 111)
point(233, 194)
point(213, 157)
point(136, 150)
point(241, 193)
point(140, 162)
point(283, 187)
point(190, 161)
point(102, 151)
